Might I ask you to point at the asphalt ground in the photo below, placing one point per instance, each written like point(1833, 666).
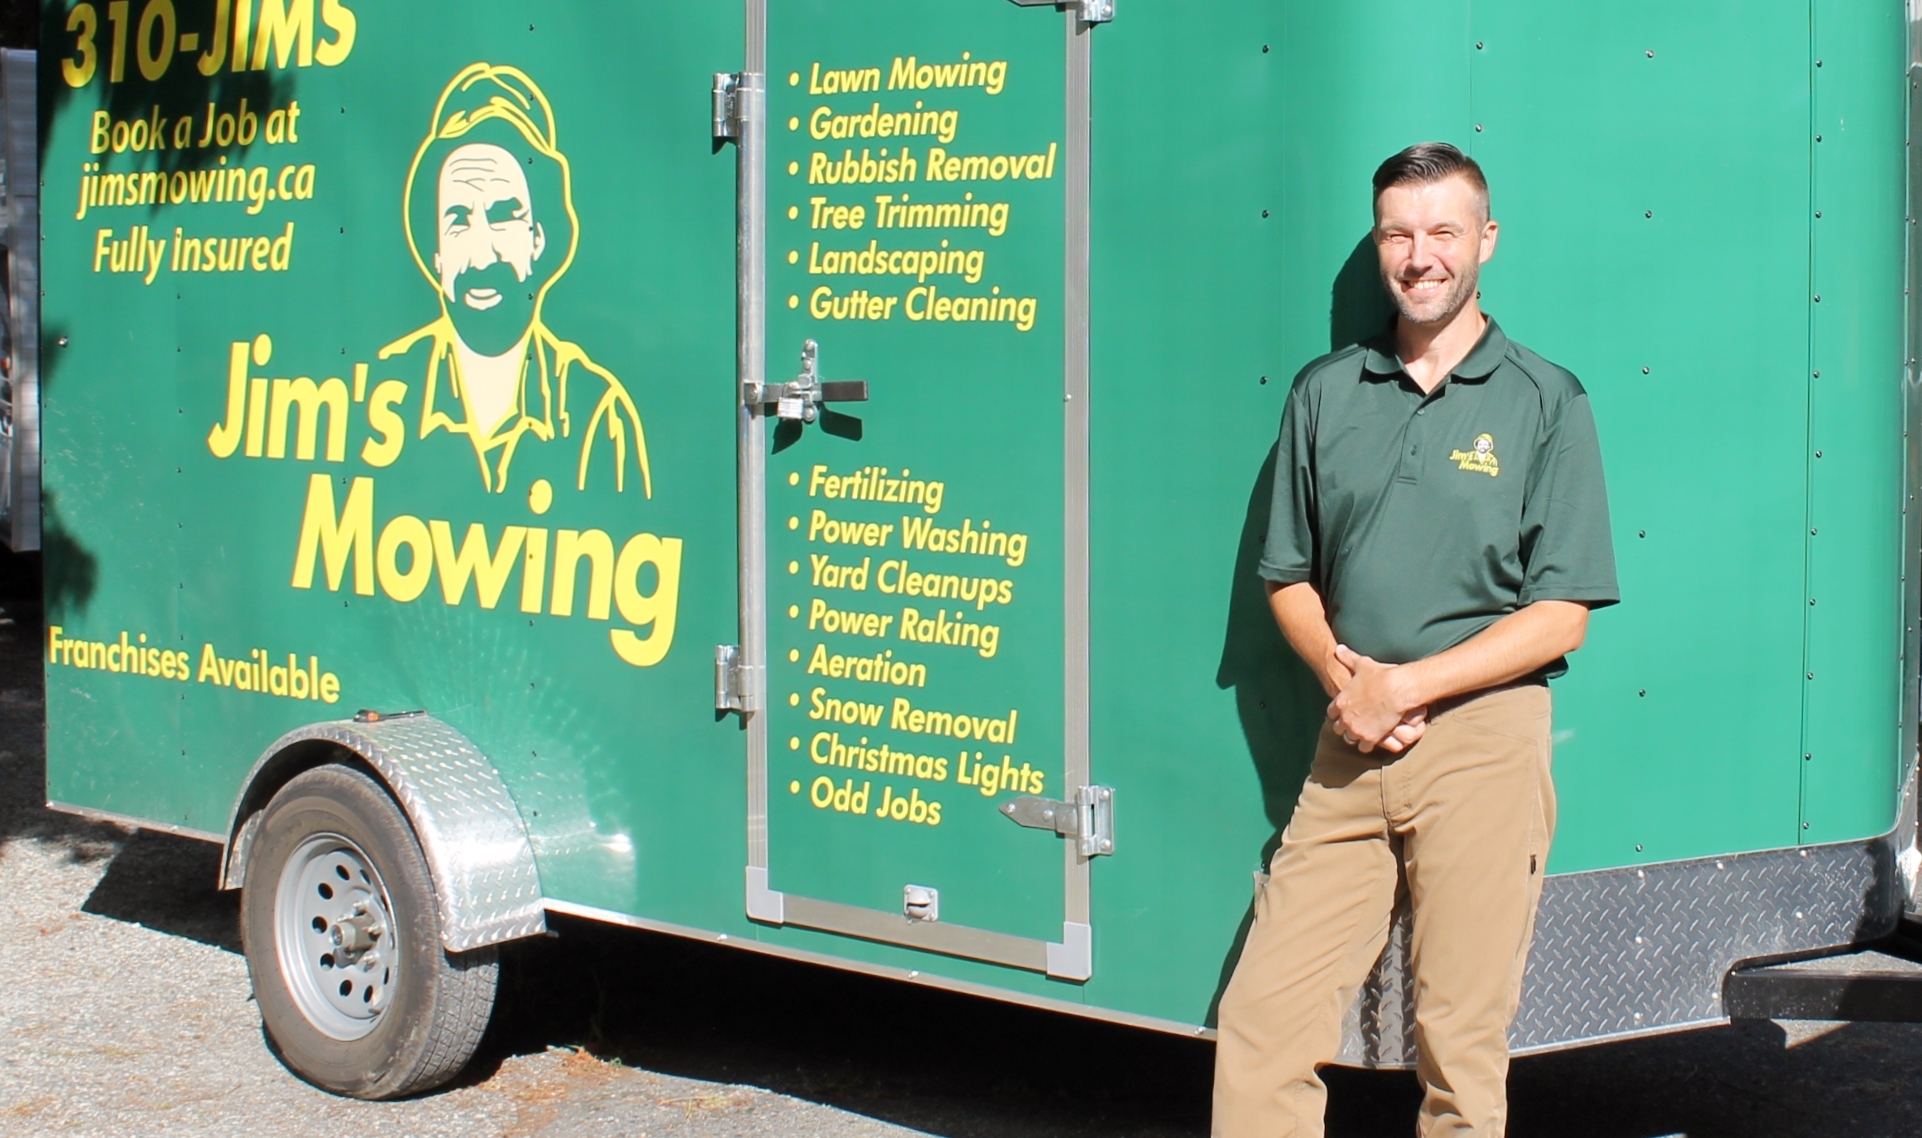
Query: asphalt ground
point(125, 1009)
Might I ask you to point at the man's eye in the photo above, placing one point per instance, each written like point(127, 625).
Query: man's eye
point(458, 217)
point(502, 212)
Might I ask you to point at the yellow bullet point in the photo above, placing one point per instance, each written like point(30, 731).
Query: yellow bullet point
point(794, 78)
point(794, 787)
point(794, 523)
point(794, 699)
point(793, 478)
point(793, 301)
point(793, 742)
point(793, 611)
point(793, 167)
point(793, 256)
point(793, 123)
point(794, 655)
point(793, 212)
point(793, 567)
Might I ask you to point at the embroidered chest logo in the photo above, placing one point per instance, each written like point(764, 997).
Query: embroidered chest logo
point(1481, 459)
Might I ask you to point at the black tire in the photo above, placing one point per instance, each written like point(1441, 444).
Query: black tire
point(438, 1006)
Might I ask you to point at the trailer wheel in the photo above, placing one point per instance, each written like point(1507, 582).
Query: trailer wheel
point(342, 934)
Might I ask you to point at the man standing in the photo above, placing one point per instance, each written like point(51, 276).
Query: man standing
point(1439, 534)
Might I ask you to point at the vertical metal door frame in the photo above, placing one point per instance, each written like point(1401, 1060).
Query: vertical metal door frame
point(1070, 958)
point(1908, 826)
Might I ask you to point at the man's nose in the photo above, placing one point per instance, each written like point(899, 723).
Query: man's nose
point(1421, 251)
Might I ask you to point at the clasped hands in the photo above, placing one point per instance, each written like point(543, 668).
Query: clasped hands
point(1371, 709)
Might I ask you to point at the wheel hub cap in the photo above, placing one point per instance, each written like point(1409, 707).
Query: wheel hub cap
point(334, 928)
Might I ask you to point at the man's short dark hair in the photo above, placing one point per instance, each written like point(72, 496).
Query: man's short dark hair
point(1426, 163)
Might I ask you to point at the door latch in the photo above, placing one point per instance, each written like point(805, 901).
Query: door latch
point(1088, 817)
point(801, 399)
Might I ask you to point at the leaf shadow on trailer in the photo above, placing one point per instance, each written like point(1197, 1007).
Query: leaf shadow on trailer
point(1279, 702)
point(181, 88)
point(69, 570)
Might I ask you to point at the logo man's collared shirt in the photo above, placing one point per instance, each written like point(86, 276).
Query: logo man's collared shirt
point(1423, 519)
point(549, 362)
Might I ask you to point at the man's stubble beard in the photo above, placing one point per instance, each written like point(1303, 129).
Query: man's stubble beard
point(1442, 309)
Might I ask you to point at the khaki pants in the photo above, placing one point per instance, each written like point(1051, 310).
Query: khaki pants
point(1464, 818)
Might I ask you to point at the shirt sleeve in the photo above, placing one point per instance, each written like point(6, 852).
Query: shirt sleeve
point(1568, 553)
point(1288, 555)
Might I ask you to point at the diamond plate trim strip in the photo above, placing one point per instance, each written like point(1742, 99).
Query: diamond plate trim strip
point(469, 827)
point(1625, 952)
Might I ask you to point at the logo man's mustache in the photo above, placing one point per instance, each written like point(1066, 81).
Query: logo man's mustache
point(499, 276)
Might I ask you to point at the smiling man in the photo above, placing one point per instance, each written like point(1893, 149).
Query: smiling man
point(1438, 537)
point(490, 217)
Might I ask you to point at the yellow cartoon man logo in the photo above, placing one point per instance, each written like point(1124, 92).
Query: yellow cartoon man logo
point(489, 213)
point(1481, 458)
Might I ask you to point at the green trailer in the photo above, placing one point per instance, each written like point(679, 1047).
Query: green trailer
point(869, 412)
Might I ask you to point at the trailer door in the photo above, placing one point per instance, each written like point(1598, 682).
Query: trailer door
point(916, 466)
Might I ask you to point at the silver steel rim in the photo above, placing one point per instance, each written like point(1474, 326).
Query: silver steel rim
point(334, 930)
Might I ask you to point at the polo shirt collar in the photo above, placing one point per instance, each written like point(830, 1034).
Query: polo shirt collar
point(1380, 358)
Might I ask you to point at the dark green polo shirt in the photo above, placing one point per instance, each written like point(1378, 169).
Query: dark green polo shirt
point(1423, 519)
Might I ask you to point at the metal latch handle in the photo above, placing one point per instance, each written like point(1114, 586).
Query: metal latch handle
point(802, 398)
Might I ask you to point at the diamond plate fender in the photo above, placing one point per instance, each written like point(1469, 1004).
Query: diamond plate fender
point(1645, 949)
point(469, 827)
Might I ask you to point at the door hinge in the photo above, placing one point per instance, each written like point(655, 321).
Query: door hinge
point(737, 684)
point(729, 107)
point(1088, 817)
point(1091, 11)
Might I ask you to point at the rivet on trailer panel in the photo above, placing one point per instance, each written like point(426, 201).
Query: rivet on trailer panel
point(1644, 371)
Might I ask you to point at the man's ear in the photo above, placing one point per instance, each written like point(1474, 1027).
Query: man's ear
point(540, 241)
point(1491, 232)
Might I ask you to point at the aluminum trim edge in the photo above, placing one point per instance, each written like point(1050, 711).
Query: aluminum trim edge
point(485, 878)
point(1644, 949)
